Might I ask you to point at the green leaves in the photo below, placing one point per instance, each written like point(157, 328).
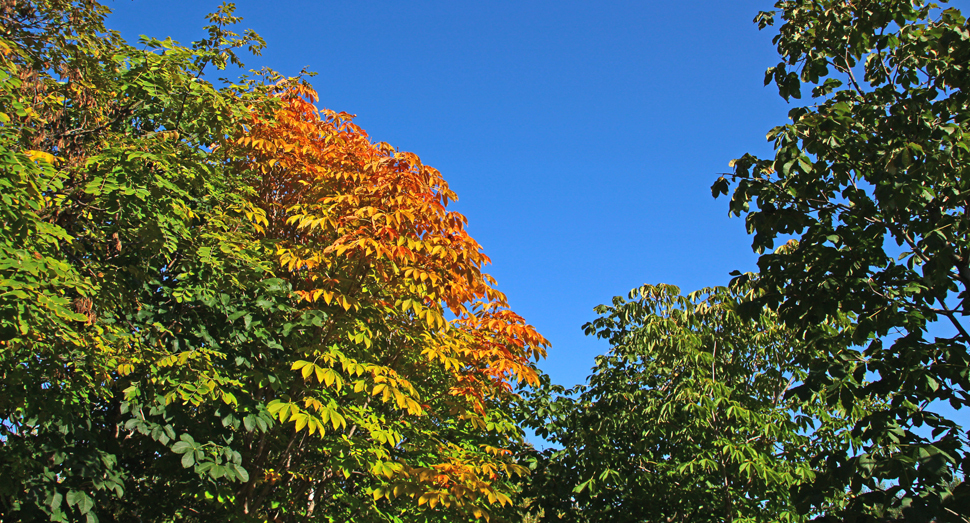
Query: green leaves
point(81, 500)
point(119, 219)
point(184, 445)
point(203, 459)
point(687, 415)
point(870, 182)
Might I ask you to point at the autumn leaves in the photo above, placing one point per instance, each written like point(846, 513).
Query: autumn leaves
point(363, 232)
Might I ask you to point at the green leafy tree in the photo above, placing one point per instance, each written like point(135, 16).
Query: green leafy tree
point(869, 186)
point(685, 419)
point(112, 190)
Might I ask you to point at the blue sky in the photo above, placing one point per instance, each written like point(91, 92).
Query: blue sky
point(581, 137)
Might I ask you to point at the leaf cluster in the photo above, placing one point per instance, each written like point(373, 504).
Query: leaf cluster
point(868, 188)
point(687, 418)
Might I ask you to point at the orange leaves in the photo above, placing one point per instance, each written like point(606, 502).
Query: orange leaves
point(503, 344)
point(416, 338)
point(325, 181)
point(347, 213)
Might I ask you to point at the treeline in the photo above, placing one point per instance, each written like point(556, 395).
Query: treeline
point(221, 303)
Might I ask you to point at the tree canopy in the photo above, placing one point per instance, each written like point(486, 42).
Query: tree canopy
point(860, 222)
point(686, 419)
point(219, 302)
point(868, 188)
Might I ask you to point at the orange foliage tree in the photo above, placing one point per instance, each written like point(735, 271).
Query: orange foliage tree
point(412, 354)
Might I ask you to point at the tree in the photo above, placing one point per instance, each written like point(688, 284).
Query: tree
point(221, 303)
point(870, 184)
point(104, 180)
point(685, 419)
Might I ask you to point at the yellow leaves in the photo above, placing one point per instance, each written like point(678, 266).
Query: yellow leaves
point(361, 337)
point(41, 156)
point(383, 390)
point(465, 480)
point(327, 295)
point(413, 407)
point(389, 388)
point(495, 451)
point(329, 377)
point(294, 262)
point(301, 420)
point(385, 468)
point(352, 368)
point(321, 417)
point(429, 313)
point(324, 375)
point(431, 498)
point(421, 275)
point(399, 398)
point(313, 403)
point(477, 422)
point(498, 497)
point(346, 303)
point(433, 319)
point(330, 298)
point(314, 295)
point(229, 398)
point(434, 351)
point(330, 414)
point(516, 470)
point(368, 212)
point(256, 216)
point(312, 223)
point(409, 305)
point(178, 359)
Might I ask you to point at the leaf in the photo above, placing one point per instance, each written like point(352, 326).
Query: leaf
point(42, 157)
point(84, 503)
point(301, 421)
point(241, 473)
point(181, 447)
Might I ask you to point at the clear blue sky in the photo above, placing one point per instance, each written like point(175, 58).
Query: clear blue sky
point(581, 137)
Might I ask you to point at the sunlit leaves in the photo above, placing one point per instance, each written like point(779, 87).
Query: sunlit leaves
point(687, 416)
point(364, 232)
point(870, 182)
point(236, 268)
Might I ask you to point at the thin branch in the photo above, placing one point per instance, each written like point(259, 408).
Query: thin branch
point(953, 319)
